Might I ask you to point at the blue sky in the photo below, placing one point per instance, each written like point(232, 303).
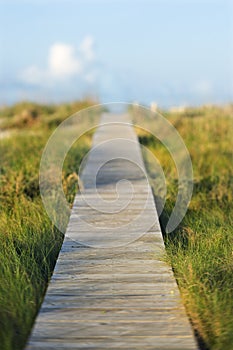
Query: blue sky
point(174, 52)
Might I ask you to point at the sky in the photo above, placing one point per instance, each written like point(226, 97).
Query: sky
point(172, 52)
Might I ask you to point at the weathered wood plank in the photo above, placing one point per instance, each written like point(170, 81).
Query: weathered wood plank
point(111, 288)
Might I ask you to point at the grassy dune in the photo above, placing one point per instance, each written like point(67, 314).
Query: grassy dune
point(201, 248)
point(29, 241)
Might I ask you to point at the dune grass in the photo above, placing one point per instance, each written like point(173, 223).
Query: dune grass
point(29, 241)
point(201, 248)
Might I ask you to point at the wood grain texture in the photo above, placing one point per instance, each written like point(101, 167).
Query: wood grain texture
point(111, 288)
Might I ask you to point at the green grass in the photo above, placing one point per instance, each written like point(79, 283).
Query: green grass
point(29, 241)
point(201, 248)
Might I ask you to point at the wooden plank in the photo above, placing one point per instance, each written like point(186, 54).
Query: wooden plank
point(111, 287)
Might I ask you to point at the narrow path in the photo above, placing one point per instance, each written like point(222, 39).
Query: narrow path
point(111, 288)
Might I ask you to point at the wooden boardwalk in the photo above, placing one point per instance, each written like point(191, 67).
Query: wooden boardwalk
point(111, 288)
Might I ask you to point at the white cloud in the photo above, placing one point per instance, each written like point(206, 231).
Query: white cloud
point(86, 48)
point(62, 61)
point(90, 77)
point(63, 65)
point(32, 75)
point(203, 87)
